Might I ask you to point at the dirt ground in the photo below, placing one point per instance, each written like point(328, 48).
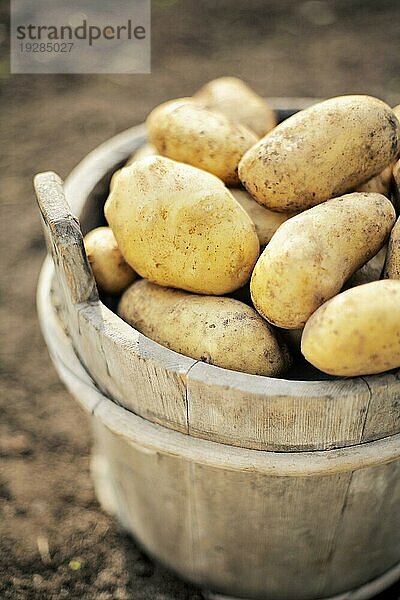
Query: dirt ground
point(55, 541)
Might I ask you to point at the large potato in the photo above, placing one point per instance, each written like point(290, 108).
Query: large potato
point(321, 152)
point(235, 99)
point(391, 269)
point(220, 331)
point(142, 152)
point(110, 270)
point(266, 221)
point(187, 132)
point(357, 332)
point(310, 257)
point(179, 226)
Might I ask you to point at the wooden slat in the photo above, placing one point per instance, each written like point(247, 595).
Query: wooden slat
point(383, 415)
point(372, 509)
point(64, 238)
point(272, 414)
point(60, 347)
point(150, 379)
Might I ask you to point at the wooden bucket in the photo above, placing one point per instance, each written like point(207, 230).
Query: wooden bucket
point(247, 486)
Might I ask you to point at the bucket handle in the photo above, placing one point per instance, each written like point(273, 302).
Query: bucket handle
point(64, 241)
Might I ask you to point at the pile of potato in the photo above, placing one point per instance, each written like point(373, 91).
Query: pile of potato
point(223, 197)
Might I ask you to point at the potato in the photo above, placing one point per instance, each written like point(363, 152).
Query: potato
point(321, 152)
point(371, 271)
point(292, 338)
point(111, 272)
point(391, 269)
point(396, 186)
point(379, 184)
point(142, 152)
point(220, 331)
point(179, 226)
point(145, 150)
point(114, 178)
point(235, 99)
point(187, 132)
point(357, 332)
point(266, 221)
point(310, 257)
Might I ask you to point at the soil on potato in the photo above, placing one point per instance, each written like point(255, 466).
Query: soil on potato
point(55, 540)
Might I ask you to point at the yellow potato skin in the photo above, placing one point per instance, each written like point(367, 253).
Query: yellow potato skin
point(220, 331)
point(379, 184)
point(179, 226)
point(391, 270)
point(371, 271)
point(110, 270)
point(236, 100)
point(266, 221)
point(321, 152)
point(114, 178)
point(310, 257)
point(145, 150)
point(142, 152)
point(356, 332)
point(187, 132)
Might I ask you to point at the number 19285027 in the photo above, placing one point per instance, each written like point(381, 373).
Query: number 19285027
point(46, 46)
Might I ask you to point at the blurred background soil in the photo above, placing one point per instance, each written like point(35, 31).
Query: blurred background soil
point(55, 541)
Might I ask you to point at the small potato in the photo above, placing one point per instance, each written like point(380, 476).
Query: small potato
point(111, 272)
point(114, 178)
point(142, 152)
point(187, 132)
point(396, 186)
point(236, 100)
point(356, 332)
point(266, 221)
point(321, 152)
point(179, 226)
point(310, 257)
point(220, 331)
point(380, 184)
point(391, 269)
point(292, 337)
point(371, 271)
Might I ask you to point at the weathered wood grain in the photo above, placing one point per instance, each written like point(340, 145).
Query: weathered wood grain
point(383, 414)
point(372, 509)
point(64, 239)
point(275, 414)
